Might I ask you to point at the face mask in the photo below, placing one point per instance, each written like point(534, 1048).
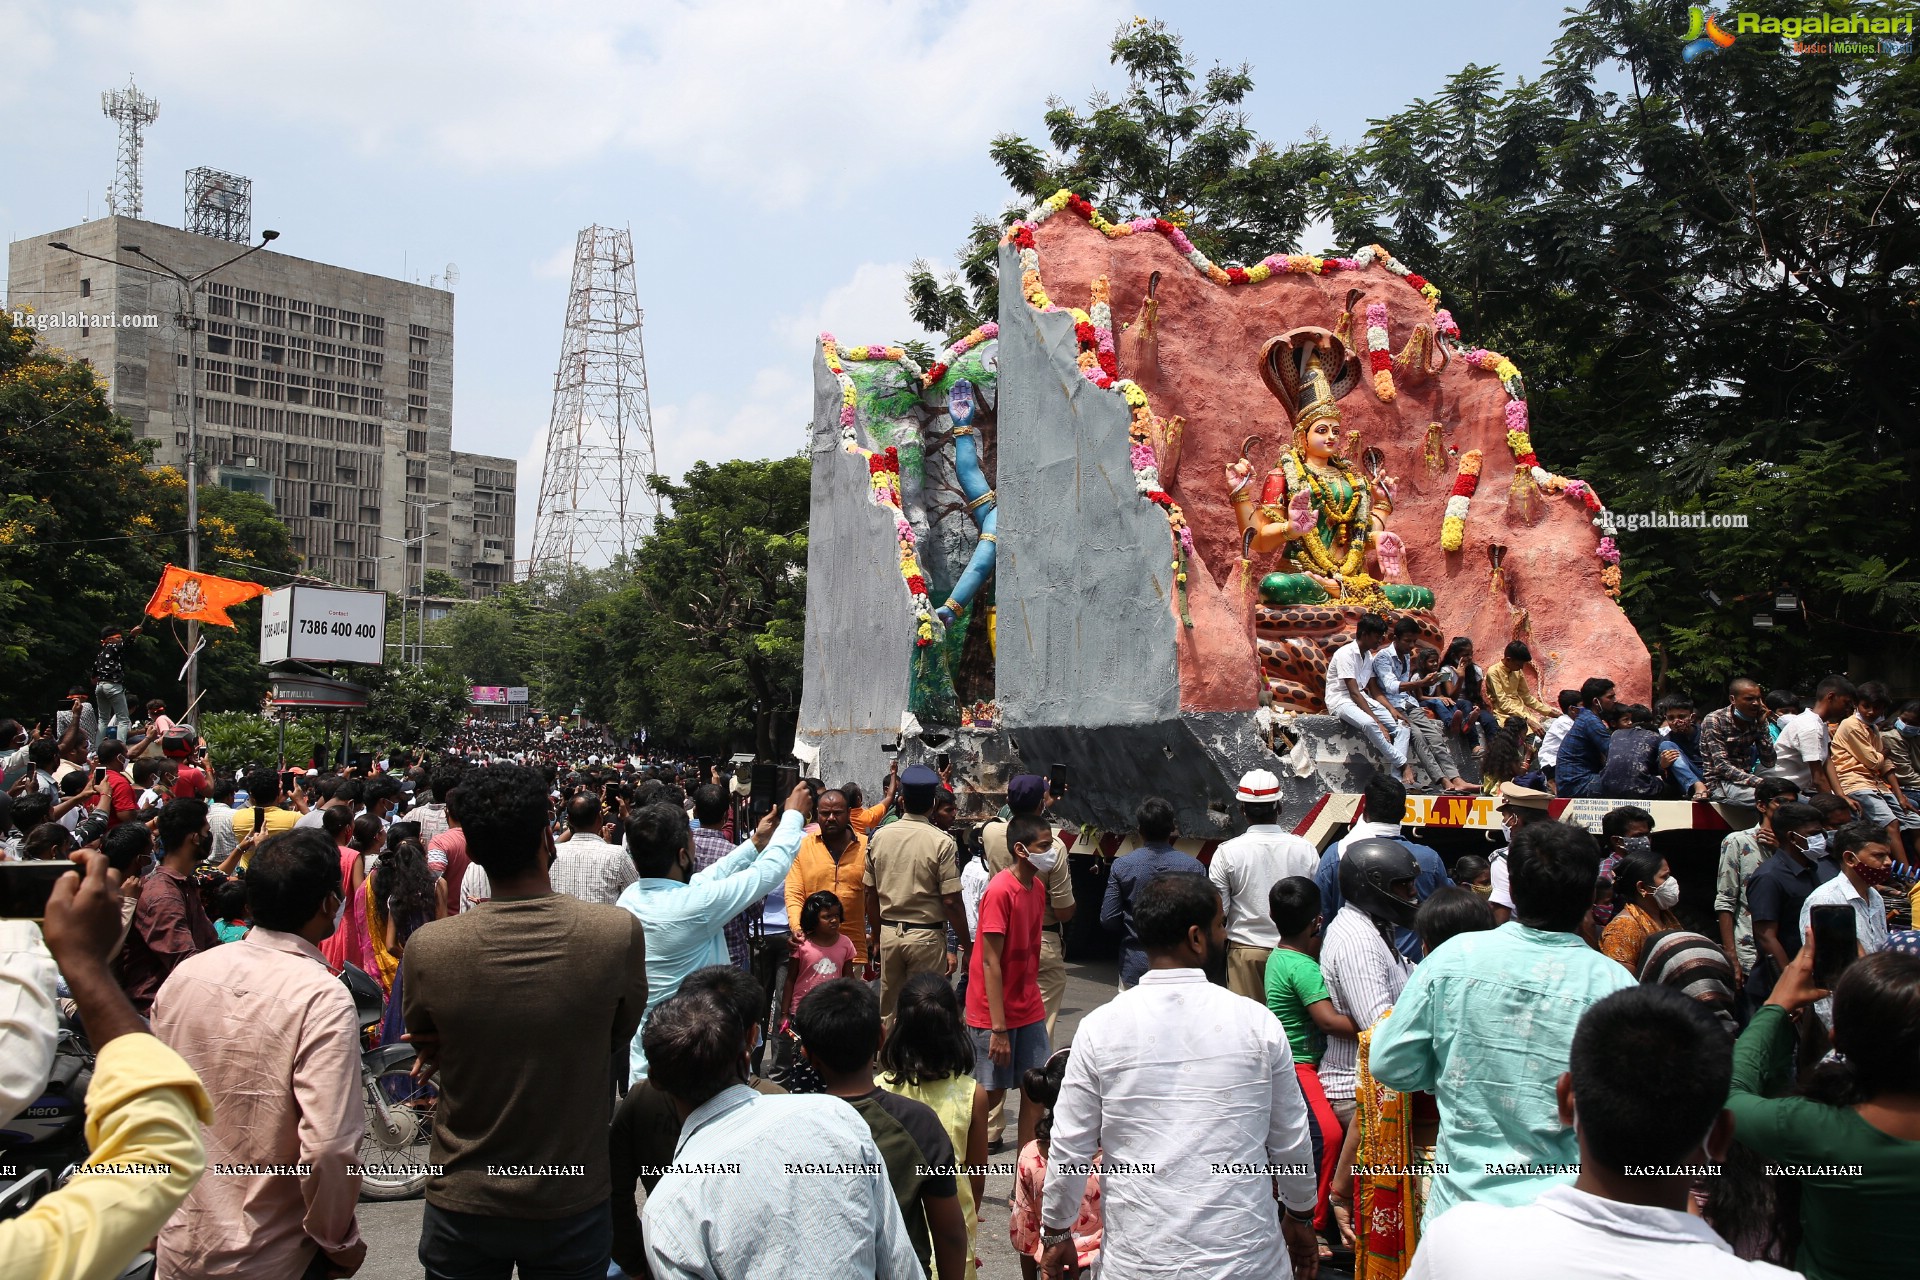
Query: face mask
point(1742, 714)
point(1872, 877)
point(1484, 890)
point(1817, 845)
point(1911, 730)
point(1665, 896)
point(1044, 860)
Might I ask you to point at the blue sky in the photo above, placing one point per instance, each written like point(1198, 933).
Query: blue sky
point(779, 161)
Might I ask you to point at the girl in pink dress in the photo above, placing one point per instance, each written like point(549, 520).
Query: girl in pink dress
point(1042, 1087)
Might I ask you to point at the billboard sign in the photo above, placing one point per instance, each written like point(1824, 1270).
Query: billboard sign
point(487, 695)
point(517, 695)
point(323, 624)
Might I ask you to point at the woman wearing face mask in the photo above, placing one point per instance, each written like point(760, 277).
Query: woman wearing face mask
point(1645, 893)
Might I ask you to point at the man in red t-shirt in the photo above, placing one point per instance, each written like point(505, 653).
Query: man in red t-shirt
point(118, 800)
point(1005, 1012)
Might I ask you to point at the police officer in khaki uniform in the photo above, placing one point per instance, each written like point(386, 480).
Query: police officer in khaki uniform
point(913, 891)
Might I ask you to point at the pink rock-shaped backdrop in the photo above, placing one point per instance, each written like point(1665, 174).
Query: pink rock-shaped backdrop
point(1209, 343)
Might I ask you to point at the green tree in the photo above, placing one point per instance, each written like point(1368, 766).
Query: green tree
point(438, 582)
point(1175, 145)
point(79, 547)
point(409, 706)
point(1708, 276)
point(238, 740)
point(706, 638)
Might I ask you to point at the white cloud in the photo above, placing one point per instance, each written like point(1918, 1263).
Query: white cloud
point(870, 307)
point(557, 265)
point(761, 96)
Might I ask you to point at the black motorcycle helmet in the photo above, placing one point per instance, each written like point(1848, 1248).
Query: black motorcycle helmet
point(1368, 871)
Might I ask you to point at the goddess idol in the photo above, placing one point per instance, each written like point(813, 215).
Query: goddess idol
point(1323, 514)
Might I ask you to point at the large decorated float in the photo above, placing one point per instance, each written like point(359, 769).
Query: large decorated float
point(1088, 536)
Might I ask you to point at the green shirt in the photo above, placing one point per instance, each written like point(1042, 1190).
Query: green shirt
point(1293, 983)
point(1853, 1223)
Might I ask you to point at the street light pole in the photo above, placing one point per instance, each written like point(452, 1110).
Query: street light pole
point(188, 319)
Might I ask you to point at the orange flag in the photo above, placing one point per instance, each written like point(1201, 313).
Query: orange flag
point(199, 597)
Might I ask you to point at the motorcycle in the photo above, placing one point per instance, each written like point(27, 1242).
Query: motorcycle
point(51, 1134)
point(396, 1146)
point(44, 1145)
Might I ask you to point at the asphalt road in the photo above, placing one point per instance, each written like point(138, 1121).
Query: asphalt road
point(392, 1229)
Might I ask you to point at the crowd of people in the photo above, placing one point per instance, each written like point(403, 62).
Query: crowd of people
point(661, 1026)
point(1413, 705)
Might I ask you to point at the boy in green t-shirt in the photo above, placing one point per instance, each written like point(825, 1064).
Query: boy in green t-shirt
point(1298, 997)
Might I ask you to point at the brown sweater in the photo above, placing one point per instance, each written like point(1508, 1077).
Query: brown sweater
point(529, 997)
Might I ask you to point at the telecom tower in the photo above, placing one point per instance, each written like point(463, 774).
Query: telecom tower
point(594, 500)
point(134, 111)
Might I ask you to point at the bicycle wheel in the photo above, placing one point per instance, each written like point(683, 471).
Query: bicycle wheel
point(395, 1149)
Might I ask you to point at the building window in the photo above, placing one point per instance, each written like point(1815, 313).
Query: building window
point(86, 287)
point(417, 375)
point(416, 442)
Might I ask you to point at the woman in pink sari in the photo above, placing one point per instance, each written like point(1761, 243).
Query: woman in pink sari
point(351, 940)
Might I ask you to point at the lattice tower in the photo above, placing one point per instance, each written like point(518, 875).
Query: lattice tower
point(134, 111)
point(594, 500)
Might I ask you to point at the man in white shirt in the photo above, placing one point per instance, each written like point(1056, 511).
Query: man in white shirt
point(1427, 749)
point(1557, 727)
point(1363, 972)
point(1349, 672)
point(1803, 753)
point(584, 864)
point(1244, 870)
point(1188, 1094)
point(1865, 859)
point(1612, 1224)
point(433, 817)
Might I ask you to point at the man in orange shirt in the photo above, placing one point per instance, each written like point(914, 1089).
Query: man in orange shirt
point(1866, 775)
point(833, 859)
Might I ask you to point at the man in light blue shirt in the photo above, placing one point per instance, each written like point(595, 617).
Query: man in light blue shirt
point(1486, 1024)
point(762, 1187)
point(686, 911)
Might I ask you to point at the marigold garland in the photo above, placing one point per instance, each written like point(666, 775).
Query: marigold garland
point(1453, 526)
point(1379, 355)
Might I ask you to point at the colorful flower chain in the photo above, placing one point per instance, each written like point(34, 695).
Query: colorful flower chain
point(1453, 526)
point(883, 472)
point(985, 333)
point(1379, 356)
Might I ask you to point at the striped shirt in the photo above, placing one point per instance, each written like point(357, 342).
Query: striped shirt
point(1364, 976)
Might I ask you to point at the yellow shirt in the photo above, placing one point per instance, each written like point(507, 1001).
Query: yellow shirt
point(145, 1108)
point(278, 820)
point(1859, 757)
point(1509, 694)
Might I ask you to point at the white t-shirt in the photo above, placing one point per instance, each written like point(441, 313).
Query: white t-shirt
point(1347, 663)
point(1550, 740)
point(1803, 743)
point(973, 887)
point(1572, 1235)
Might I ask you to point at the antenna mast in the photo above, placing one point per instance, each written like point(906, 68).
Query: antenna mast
point(134, 111)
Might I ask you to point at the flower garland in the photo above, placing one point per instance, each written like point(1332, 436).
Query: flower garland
point(1453, 526)
point(883, 473)
point(985, 333)
point(1379, 356)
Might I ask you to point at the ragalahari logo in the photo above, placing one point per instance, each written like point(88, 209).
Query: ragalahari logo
point(1704, 35)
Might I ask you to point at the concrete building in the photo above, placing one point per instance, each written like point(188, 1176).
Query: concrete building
point(325, 390)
